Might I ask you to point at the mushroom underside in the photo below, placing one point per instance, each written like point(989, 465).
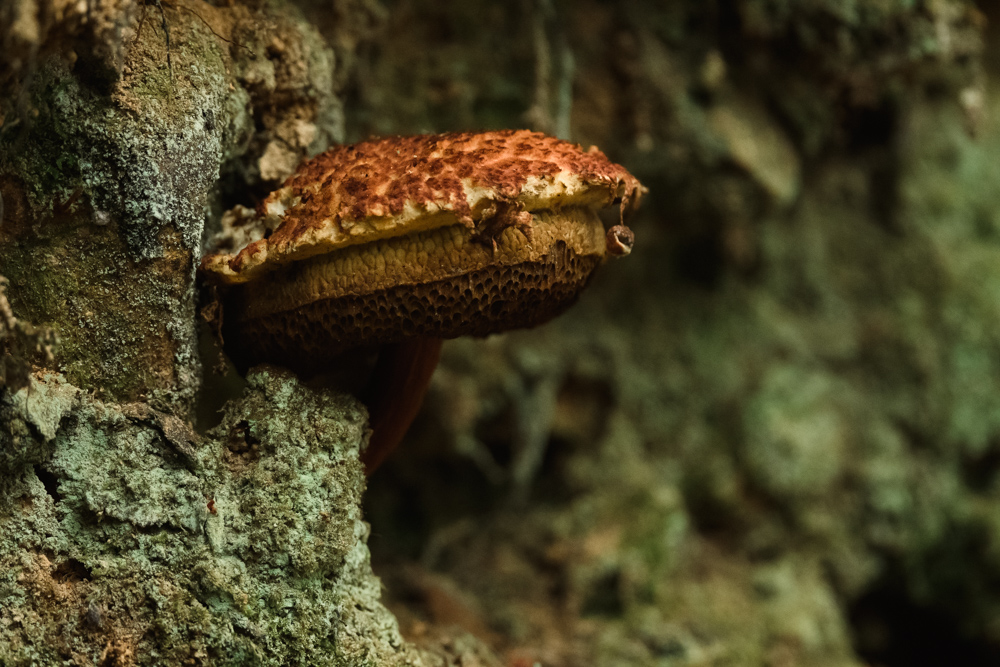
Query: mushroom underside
point(463, 287)
point(474, 304)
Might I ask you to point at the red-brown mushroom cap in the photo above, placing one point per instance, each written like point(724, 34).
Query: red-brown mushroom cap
point(446, 235)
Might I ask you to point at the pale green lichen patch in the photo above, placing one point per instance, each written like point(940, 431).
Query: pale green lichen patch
point(245, 546)
point(148, 161)
point(44, 403)
point(30, 419)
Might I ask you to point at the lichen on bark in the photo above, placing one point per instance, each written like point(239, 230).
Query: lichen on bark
point(112, 181)
point(135, 541)
point(128, 538)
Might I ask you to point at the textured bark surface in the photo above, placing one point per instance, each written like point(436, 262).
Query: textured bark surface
point(129, 539)
point(113, 160)
point(768, 437)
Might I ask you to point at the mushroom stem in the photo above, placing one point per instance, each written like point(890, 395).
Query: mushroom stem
point(395, 393)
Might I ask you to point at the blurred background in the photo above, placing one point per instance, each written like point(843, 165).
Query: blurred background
point(769, 436)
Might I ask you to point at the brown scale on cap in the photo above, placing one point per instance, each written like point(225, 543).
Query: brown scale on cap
point(408, 240)
point(399, 185)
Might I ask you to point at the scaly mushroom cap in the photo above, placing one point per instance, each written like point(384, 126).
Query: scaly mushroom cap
point(443, 236)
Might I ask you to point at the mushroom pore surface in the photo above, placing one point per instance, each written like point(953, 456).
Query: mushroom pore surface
point(432, 236)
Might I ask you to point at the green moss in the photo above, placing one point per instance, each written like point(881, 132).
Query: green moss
point(113, 316)
point(116, 189)
point(144, 155)
point(248, 549)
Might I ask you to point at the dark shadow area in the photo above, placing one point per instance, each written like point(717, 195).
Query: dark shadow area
point(49, 481)
point(890, 630)
point(220, 381)
point(416, 493)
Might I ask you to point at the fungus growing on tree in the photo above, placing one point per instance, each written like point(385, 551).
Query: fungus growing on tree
point(405, 241)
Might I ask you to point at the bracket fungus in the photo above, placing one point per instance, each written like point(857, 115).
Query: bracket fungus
point(404, 241)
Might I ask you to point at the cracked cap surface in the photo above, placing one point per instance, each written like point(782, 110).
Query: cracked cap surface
point(400, 185)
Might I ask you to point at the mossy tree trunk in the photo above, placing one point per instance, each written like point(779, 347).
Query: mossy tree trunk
point(128, 537)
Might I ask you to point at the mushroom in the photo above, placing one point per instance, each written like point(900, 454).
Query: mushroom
point(404, 241)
